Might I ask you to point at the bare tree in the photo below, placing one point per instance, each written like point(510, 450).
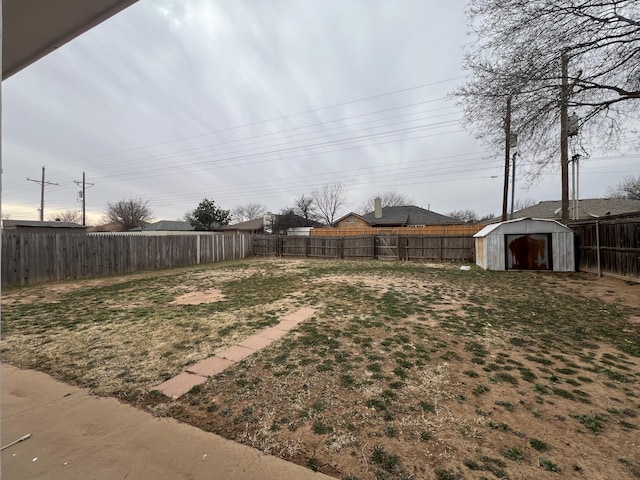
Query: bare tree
point(523, 203)
point(329, 199)
point(130, 213)
point(72, 216)
point(305, 207)
point(629, 188)
point(388, 199)
point(463, 215)
point(518, 53)
point(242, 213)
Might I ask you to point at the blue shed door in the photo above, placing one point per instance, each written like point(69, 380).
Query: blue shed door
point(528, 252)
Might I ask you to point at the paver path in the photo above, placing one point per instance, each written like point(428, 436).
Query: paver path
point(198, 373)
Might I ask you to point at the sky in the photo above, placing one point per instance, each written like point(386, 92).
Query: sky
point(174, 101)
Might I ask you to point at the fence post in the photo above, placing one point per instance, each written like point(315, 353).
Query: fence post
point(307, 246)
point(341, 247)
point(598, 248)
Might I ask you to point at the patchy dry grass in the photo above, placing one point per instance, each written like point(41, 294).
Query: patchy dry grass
point(406, 371)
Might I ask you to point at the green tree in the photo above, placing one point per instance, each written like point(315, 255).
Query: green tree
point(208, 217)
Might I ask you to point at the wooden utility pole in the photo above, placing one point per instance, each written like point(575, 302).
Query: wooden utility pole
point(507, 155)
point(564, 138)
point(84, 196)
point(42, 183)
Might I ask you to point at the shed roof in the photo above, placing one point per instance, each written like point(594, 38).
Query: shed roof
point(523, 225)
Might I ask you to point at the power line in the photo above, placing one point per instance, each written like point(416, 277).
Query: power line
point(274, 119)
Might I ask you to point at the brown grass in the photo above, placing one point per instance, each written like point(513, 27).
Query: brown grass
point(405, 369)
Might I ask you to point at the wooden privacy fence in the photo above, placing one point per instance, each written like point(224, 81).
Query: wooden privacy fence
point(389, 247)
point(609, 246)
point(29, 258)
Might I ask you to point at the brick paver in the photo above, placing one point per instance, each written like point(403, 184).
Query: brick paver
point(235, 353)
point(256, 342)
point(272, 333)
point(210, 366)
point(180, 384)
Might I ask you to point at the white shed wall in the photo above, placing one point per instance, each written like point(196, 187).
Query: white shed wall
point(490, 243)
point(562, 245)
point(490, 253)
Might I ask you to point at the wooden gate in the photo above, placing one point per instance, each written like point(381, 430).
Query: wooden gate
point(386, 247)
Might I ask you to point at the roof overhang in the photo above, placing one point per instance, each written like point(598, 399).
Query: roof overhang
point(33, 28)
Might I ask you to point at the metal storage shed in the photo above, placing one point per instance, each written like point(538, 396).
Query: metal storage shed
point(526, 244)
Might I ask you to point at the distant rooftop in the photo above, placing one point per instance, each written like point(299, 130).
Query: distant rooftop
point(13, 224)
point(165, 226)
point(409, 215)
point(587, 208)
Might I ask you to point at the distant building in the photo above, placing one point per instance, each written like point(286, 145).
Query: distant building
point(588, 208)
point(250, 226)
point(165, 226)
point(403, 216)
point(283, 224)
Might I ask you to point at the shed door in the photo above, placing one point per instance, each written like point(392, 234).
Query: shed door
point(528, 252)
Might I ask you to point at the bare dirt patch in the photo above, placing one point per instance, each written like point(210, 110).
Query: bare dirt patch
point(405, 371)
point(198, 297)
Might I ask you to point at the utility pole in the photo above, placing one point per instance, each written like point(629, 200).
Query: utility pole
point(507, 154)
point(564, 137)
point(42, 183)
point(83, 193)
point(513, 182)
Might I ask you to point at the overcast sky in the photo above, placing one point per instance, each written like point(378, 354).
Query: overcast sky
point(259, 101)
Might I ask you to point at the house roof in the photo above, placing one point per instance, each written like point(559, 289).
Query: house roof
point(350, 214)
point(36, 224)
point(587, 208)
point(165, 226)
point(522, 226)
point(255, 224)
point(408, 215)
point(107, 227)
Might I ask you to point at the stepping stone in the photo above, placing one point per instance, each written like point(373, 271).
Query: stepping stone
point(272, 333)
point(286, 325)
point(235, 353)
point(180, 384)
point(300, 315)
point(198, 373)
point(256, 342)
point(210, 366)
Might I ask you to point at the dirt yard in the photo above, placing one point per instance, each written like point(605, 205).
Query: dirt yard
point(407, 370)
